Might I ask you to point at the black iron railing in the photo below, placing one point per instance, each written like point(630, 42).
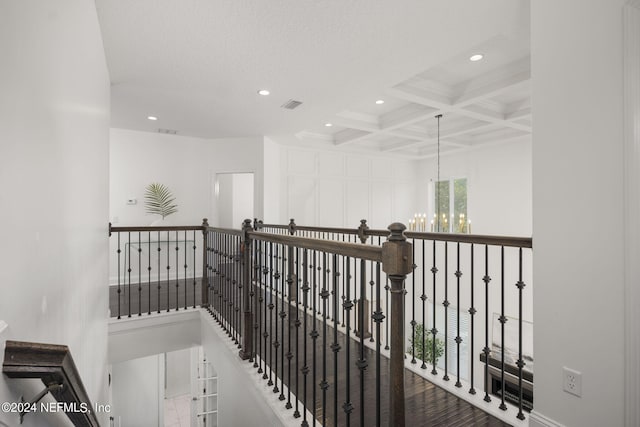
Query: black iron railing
point(466, 299)
point(315, 308)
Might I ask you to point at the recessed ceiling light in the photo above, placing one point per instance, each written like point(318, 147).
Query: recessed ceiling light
point(154, 118)
point(328, 124)
point(263, 92)
point(476, 57)
point(380, 101)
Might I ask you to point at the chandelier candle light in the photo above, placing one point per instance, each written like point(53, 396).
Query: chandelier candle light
point(419, 223)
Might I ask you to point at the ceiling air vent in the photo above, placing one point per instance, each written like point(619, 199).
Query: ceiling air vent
point(167, 131)
point(291, 104)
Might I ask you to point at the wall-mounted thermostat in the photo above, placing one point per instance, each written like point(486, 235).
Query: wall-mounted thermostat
point(132, 201)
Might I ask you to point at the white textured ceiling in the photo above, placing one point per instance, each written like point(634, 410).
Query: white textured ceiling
point(197, 65)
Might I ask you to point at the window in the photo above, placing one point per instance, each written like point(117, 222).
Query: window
point(450, 206)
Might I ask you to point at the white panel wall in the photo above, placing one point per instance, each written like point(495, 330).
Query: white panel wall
point(578, 208)
point(332, 188)
point(54, 124)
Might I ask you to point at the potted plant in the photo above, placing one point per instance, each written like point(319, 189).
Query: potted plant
point(425, 353)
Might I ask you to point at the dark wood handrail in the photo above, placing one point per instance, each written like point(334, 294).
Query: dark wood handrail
point(367, 252)
point(507, 241)
point(231, 231)
point(54, 365)
point(481, 239)
point(113, 229)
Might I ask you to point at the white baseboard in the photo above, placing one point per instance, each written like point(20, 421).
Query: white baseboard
point(536, 419)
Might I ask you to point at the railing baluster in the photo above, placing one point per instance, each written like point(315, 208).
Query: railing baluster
point(362, 363)
point(348, 406)
point(177, 272)
point(503, 320)
point(324, 385)
point(168, 270)
point(378, 317)
point(261, 299)
point(290, 284)
point(119, 272)
point(387, 288)
point(159, 271)
point(283, 315)
point(265, 334)
point(446, 311)
point(335, 347)
point(423, 297)
point(129, 272)
point(185, 270)
point(520, 363)
point(486, 279)
point(271, 306)
point(194, 269)
point(413, 304)
point(274, 344)
point(149, 269)
point(472, 313)
point(372, 283)
point(298, 264)
point(139, 275)
point(434, 330)
point(314, 334)
point(458, 337)
point(305, 367)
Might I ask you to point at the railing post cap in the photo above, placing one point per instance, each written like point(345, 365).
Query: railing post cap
point(362, 230)
point(205, 222)
point(397, 232)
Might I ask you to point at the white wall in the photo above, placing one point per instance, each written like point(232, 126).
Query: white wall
point(498, 186)
point(138, 387)
point(54, 124)
point(132, 338)
point(234, 198)
point(241, 399)
point(178, 370)
point(224, 200)
point(337, 189)
point(242, 198)
point(188, 166)
point(578, 208)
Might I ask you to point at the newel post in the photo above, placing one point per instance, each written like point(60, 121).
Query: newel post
point(204, 285)
point(397, 261)
point(247, 286)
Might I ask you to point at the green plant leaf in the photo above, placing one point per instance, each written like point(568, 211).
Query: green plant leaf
point(159, 200)
point(422, 340)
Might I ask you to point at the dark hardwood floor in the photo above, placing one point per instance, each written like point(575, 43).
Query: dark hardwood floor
point(138, 298)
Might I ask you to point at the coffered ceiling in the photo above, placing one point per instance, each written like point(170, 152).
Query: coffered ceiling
point(197, 66)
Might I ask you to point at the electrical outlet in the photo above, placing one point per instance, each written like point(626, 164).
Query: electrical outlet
point(572, 381)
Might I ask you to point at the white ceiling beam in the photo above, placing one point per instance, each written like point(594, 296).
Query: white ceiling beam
point(349, 136)
point(420, 96)
point(492, 89)
point(404, 116)
point(356, 124)
point(524, 113)
point(484, 114)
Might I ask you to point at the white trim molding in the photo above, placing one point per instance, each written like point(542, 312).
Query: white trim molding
point(631, 67)
point(536, 419)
